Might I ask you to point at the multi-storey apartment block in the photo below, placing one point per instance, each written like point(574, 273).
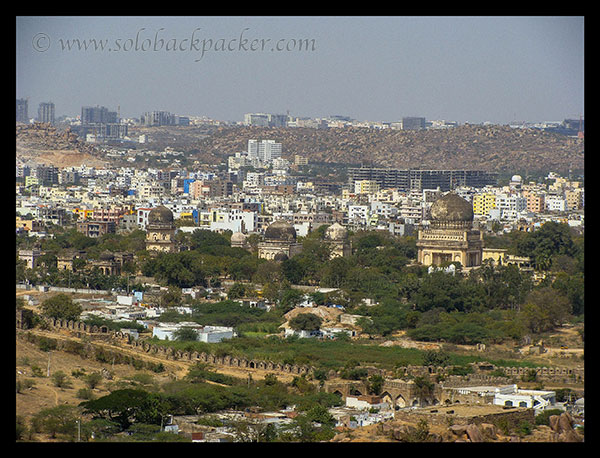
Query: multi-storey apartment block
point(483, 203)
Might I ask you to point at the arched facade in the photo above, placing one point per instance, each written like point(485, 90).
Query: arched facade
point(160, 230)
point(450, 236)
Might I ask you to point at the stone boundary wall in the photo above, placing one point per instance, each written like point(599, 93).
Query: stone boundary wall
point(62, 289)
point(169, 353)
point(556, 374)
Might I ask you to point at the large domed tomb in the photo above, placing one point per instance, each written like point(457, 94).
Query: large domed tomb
point(451, 211)
point(450, 236)
point(279, 242)
point(160, 230)
point(160, 216)
point(336, 236)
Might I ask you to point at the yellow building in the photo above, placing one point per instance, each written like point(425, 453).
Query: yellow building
point(83, 213)
point(31, 181)
point(483, 203)
point(366, 187)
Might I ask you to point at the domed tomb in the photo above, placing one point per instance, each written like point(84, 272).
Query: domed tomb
point(336, 236)
point(336, 232)
point(450, 236)
point(160, 230)
point(160, 215)
point(451, 211)
point(279, 242)
point(238, 239)
point(280, 230)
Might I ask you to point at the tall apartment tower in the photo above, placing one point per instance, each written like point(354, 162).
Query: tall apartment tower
point(265, 150)
point(269, 150)
point(413, 123)
point(22, 111)
point(253, 149)
point(46, 112)
point(97, 115)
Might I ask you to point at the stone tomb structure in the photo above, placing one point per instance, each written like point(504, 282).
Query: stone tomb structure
point(279, 242)
point(160, 230)
point(450, 236)
point(336, 237)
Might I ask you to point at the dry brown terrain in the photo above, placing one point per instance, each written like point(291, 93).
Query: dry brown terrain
point(492, 148)
point(44, 394)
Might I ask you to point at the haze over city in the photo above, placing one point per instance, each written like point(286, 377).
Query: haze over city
point(464, 69)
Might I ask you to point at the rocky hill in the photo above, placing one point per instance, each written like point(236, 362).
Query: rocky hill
point(492, 148)
point(45, 144)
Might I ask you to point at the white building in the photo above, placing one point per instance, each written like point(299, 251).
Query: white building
point(383, 210)
point(556, 203)
point(358, 213)
point(269, 150)
point(234, 220)
point(265, 150)
point(366, 402)
point(208, 334)
point(510, 206)
point(539, 400)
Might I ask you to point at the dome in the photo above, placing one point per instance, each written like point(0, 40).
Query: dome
point(336, 232)
point(238, 237)
point(160, 215)
point(452, 209)
point(516, 178)
point(281, 230)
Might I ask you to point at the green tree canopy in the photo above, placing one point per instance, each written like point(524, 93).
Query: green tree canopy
point(61, 307)
point(306, 322)
point(127, 406)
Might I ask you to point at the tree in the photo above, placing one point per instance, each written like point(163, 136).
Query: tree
point(93, 380)
point(61, 379)
point(171, 297)
point(60, 307)
point(306, 322)
point(236, 291)
point(127, 406)
point(292, 270)
point(376, 384)
point(186, 334)
point(545, 309)
point(57, 420)
point(436, 358)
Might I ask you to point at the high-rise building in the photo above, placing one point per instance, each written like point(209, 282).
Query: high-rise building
point(407, 179)
point(97, 115)
point(46, 112)
point(22, 111)
point(412, 123)
point(265, 150)
point(269, 150)
point(265, 120)
point(483, 203)
point(157, 118)
point(100, 123)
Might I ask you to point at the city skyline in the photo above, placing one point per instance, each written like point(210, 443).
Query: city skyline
point(463, 69)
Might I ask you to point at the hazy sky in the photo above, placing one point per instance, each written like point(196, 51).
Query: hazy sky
point(465, 69)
